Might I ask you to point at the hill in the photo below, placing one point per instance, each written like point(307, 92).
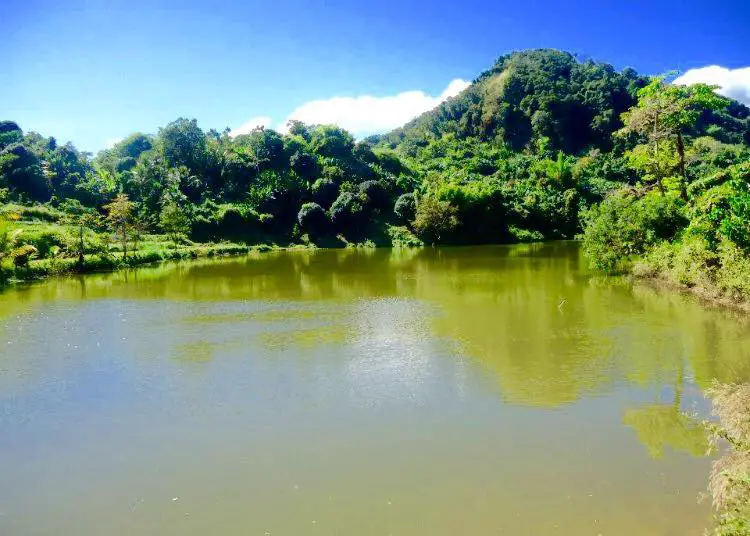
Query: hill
point(547, 94)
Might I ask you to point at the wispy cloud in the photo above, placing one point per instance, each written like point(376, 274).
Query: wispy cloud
point(250, 124)
point(733, 83)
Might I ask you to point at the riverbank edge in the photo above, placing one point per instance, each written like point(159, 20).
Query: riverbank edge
point(710, 297)
point(43, 269)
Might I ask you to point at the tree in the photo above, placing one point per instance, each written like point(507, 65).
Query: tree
point(119, 217)
point(183, 143)
point(376, 194)
point(405, 208)
point(665, 112)
point(435, 219)
point(332, 141)
point(313, 219)
point(21, 171)
point(304, 165)
point(347, 213)
point(174, 221)
point(325, 192)
point(83, 220)
point(266, 146)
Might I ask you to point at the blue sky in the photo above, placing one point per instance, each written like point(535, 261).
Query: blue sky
point(94, 71)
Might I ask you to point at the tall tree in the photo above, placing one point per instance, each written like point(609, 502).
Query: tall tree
point(665, 112)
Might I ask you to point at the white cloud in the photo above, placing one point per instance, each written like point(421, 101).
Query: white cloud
point(251, 124)
point(733, 83)
point(366, 114)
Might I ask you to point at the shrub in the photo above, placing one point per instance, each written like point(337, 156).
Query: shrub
point(376, 194)
point(22, 255)
point(624, 226)
point(324, 192)
point(347, 213)
point(733, 277)
point(519, 234)
point(40, 212)
point(43, 240)
point(405, 208)
point(435, 220)
point(313, 219)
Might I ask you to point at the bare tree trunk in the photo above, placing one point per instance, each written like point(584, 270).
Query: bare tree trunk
point(683, 174)
point(124, 243)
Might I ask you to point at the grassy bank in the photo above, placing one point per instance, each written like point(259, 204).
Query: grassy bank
point(49, 248)
point(729, 484)
point(37, 269)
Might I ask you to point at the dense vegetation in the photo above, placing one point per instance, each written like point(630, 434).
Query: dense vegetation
point(655, 177)
point(541, 146)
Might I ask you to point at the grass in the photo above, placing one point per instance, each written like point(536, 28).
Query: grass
point(154, 248)
point(729, 483)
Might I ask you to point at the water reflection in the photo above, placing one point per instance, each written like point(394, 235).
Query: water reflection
point(445, 391)
point(530, 316)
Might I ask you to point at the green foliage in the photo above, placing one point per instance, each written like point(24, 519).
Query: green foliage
point(173, 220)
point(376, 194)
point(348, 214)
point(312, 219)
point(405, 208)
point(435, 220)
point(625, 225)
point(45, 240)
point(324, 192)
point(531, 95)
point(183, 143)
point(519, 155)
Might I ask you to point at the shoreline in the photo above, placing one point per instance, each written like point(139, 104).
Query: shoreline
point(709, 298)
point(45, 269)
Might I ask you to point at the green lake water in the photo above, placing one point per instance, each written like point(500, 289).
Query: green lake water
point(456, 391)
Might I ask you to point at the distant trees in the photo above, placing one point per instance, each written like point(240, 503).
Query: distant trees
point(517, 156)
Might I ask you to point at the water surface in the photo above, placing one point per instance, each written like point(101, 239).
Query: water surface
point(491, 390)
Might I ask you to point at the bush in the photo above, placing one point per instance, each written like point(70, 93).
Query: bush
point(235, 222)
point(348, 213)
point(524, 235)
point(43, 213)
point(405, 208)
point(376, 194)
point(324, 192)
point(22, 255)
point(733, 277)
point(44, 240)
point(624, 226)
point(435, 220)
point(313, 219)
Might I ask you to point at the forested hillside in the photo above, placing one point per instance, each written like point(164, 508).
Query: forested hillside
point(528, 152)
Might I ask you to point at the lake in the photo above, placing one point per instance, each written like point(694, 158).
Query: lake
point(477, 390)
